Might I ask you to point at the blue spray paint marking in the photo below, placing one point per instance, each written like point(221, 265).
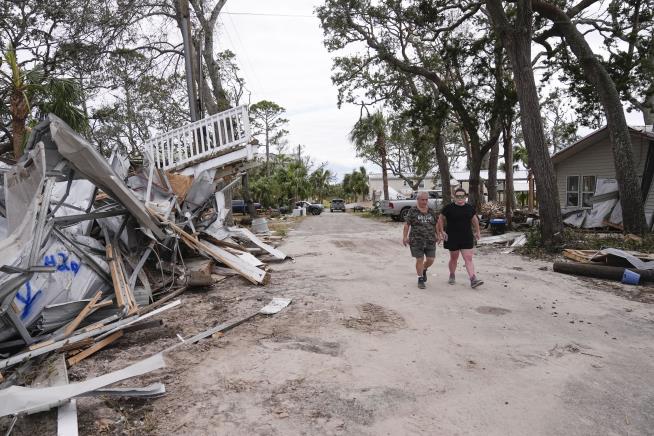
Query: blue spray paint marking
point(64, 264)
point(28, 300)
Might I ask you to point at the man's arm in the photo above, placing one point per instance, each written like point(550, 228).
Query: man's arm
point(475, 225)
point(405, 234)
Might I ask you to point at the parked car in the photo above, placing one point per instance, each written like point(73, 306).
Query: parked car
point(312, 208)
point(239, 206)
point(337, 204)
point(397, 209)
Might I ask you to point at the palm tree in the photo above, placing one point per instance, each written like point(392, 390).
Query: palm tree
point(369, 136)
point(320, 182)
point(28, 89)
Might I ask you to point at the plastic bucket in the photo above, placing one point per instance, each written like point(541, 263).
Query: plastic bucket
point(260, 225)
point(630, 277)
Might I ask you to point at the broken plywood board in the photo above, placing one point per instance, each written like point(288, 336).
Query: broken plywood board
point(242, 233)
point(199, 264)
point(180, 183)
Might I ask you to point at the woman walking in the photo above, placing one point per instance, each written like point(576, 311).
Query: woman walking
point(455, 227)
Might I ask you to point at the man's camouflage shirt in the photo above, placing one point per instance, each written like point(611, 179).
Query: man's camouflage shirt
point(423, 225)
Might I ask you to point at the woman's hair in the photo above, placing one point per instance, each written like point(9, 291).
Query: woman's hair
point(460, 190)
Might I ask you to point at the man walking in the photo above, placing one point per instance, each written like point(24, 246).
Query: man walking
point(455, 227)
point(419, 234)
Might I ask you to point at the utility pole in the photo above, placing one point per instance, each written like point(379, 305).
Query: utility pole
point(188, 58)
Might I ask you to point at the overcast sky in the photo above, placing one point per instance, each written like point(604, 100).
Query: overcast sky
point(283, 59)
point(279, 49)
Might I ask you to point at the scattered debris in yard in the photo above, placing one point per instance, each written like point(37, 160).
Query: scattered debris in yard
point(94, 247)
point(609, 263)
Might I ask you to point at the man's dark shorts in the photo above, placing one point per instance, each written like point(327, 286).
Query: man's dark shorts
point(423, 248)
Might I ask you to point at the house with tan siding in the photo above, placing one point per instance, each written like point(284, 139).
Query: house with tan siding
point(579, 166)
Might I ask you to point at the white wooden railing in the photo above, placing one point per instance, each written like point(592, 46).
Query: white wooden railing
point(200, 140)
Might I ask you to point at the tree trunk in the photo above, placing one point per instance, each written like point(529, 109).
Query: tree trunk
point(19, 112)
point(492, 171)
point(384, 165)
point(509, 203)
point(648, 109)
point(246, 196)
point(633, 212)
point(443, 169)
point(474, 163)
point(517, 42)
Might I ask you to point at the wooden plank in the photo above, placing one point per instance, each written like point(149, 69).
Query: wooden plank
point(612, 225)
point(76, 345)
point(632, 237)
point(115, 278)
point(40, 344)
point(72, 326)
point(94, 348)
point(575, 255)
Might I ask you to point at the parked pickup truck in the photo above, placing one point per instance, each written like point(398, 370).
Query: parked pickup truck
point(312, 208)
point(239, 206)
point(397, 209)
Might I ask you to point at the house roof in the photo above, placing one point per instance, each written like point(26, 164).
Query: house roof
point(464, 176)
point(593, 138)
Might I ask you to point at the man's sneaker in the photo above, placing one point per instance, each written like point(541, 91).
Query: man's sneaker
point(421, 283)
point(451, 280)
point(424, 275)
point(476, 282)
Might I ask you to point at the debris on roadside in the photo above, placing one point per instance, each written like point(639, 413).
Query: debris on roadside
point(610, 263)
point(92, 247)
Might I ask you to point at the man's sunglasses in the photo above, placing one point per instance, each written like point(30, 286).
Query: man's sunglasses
point(460, 196)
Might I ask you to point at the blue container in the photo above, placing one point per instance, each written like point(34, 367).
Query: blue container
point(630, 277)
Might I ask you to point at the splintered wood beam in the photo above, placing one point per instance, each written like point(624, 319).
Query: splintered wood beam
point(70, 328)
point(94, 348)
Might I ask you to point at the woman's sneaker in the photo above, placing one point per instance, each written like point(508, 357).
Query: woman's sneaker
point(475, 282)
point(421, 283)
point(451, 280)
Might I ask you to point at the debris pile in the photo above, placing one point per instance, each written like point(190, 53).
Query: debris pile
point(92, 246)
point(630, 267)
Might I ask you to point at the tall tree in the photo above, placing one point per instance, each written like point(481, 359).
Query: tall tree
point(633, 212)
point(516, 39)
point(444, 52)
point(266, 118)
point(369, 136)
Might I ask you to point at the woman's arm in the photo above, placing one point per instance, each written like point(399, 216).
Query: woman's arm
point(440, 228)
point(475, 225)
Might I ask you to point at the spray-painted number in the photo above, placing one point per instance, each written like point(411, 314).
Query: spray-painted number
point(62, 261)
point(28, 299)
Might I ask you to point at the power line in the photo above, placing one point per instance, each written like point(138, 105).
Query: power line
point(269, 15)
point(243, 52)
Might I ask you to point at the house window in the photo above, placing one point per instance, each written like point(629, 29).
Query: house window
point(572, 191)
point(422, 184)
point(587, 190)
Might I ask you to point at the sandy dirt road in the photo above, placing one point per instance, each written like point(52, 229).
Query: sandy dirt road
point(363, 351)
